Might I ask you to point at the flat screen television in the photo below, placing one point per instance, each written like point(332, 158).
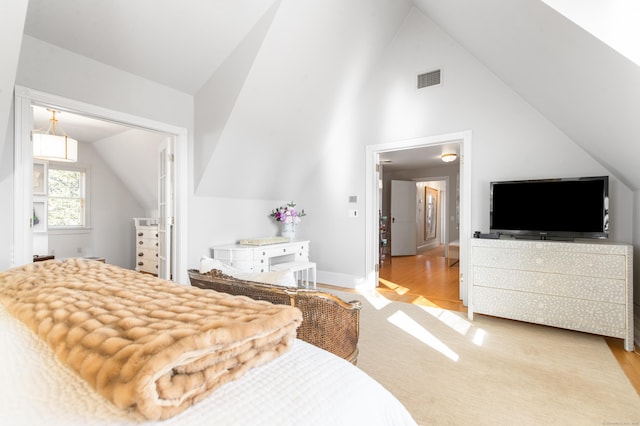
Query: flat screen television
point(563, 208)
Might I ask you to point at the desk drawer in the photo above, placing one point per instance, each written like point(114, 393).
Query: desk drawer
point(228, 255)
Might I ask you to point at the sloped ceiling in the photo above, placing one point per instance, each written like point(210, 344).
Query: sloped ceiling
point(312, 60)
point(175, 43)
point(587, 89)
point(584, 87)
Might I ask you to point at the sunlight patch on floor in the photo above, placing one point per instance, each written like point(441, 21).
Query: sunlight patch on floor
point(451, 320)
point(377, 300)
point(393, 286)
point(407, 324)
point(423, 301)
point(478, 338)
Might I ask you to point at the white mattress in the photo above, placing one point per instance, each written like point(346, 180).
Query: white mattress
point(306, 386)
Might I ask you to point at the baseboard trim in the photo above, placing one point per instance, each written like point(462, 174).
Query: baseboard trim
point(341, 280)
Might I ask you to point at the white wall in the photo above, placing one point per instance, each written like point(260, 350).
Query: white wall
point(290, 132)
point(11, 25)
point(82, 79)
point(112, 209)
point(12, 21)
point(133, 157)
point(511, 140)
point(6, 195)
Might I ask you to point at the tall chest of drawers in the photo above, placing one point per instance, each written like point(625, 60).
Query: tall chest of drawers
point(146, 250)
point(579, 286)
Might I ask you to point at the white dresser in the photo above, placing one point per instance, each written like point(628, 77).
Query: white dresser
point(579, 286)
point(250, 258)
point(146, 245)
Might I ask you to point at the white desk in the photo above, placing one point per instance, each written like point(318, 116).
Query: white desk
point(251, 258)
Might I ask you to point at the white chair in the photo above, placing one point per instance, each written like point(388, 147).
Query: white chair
point(301, 270)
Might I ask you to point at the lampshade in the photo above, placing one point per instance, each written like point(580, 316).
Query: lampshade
point(49, 146)
point(447, 158)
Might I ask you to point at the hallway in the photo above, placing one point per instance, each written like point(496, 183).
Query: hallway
point(424, 279)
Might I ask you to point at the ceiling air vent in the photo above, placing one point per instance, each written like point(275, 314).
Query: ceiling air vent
point(428, 79)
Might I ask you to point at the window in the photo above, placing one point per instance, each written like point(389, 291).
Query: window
point(67, 197)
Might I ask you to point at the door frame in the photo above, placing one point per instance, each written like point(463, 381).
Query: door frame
point(24, 97)
point(373, 200)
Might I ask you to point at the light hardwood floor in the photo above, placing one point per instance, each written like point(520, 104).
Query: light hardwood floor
point(426, 279)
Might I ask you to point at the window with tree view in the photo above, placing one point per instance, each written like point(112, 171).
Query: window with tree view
point(67, 197)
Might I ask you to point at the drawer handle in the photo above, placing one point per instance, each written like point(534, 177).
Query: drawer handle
point(284, 250)
point(141, 242)
point(140, 263)
point(140, 254)
point(140, 234)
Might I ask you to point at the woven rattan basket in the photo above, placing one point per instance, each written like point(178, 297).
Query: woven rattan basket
point(328, 322)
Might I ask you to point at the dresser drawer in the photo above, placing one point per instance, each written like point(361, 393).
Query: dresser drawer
point(147, 243)
point(147, 232)
point(147, 265)
point(582, 264)
point(574, 314)
point(146, 249)
point(589, 288)
point(147, 254)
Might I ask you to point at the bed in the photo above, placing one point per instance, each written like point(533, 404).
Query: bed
point(299, 384)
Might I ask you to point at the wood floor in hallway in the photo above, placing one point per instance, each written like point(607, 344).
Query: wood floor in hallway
point(425, 279)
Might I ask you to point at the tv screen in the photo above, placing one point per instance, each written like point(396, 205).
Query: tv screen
point(551, 208)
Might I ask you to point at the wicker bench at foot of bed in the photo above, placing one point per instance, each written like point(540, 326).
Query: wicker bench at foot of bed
point(328, 322)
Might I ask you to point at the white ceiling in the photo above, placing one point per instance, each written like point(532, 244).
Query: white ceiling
point(549, 61)
point(143, 42)
point(419, 158)
point(176, 43)
point(80, 128)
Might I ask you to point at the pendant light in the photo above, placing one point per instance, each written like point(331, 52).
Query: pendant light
point(50, 146)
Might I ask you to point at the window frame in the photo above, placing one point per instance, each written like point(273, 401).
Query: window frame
point(74, 167)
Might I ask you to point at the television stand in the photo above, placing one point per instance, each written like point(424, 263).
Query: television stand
point(579, 286)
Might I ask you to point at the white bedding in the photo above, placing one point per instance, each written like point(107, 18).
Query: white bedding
point(305, 386)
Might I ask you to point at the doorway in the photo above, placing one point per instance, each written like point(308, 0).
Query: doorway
point(374, 197)
point(24, 99)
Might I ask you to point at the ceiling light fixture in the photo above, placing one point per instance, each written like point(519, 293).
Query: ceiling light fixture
point(49, 146)
point(447, 158)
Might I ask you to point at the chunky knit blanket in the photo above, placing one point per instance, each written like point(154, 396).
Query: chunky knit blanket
point(144, 342)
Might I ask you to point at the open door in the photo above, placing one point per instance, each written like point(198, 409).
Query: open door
point(403, 218)
point(166, 216)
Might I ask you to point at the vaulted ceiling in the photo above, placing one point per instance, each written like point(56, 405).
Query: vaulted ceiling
point(587, 89)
